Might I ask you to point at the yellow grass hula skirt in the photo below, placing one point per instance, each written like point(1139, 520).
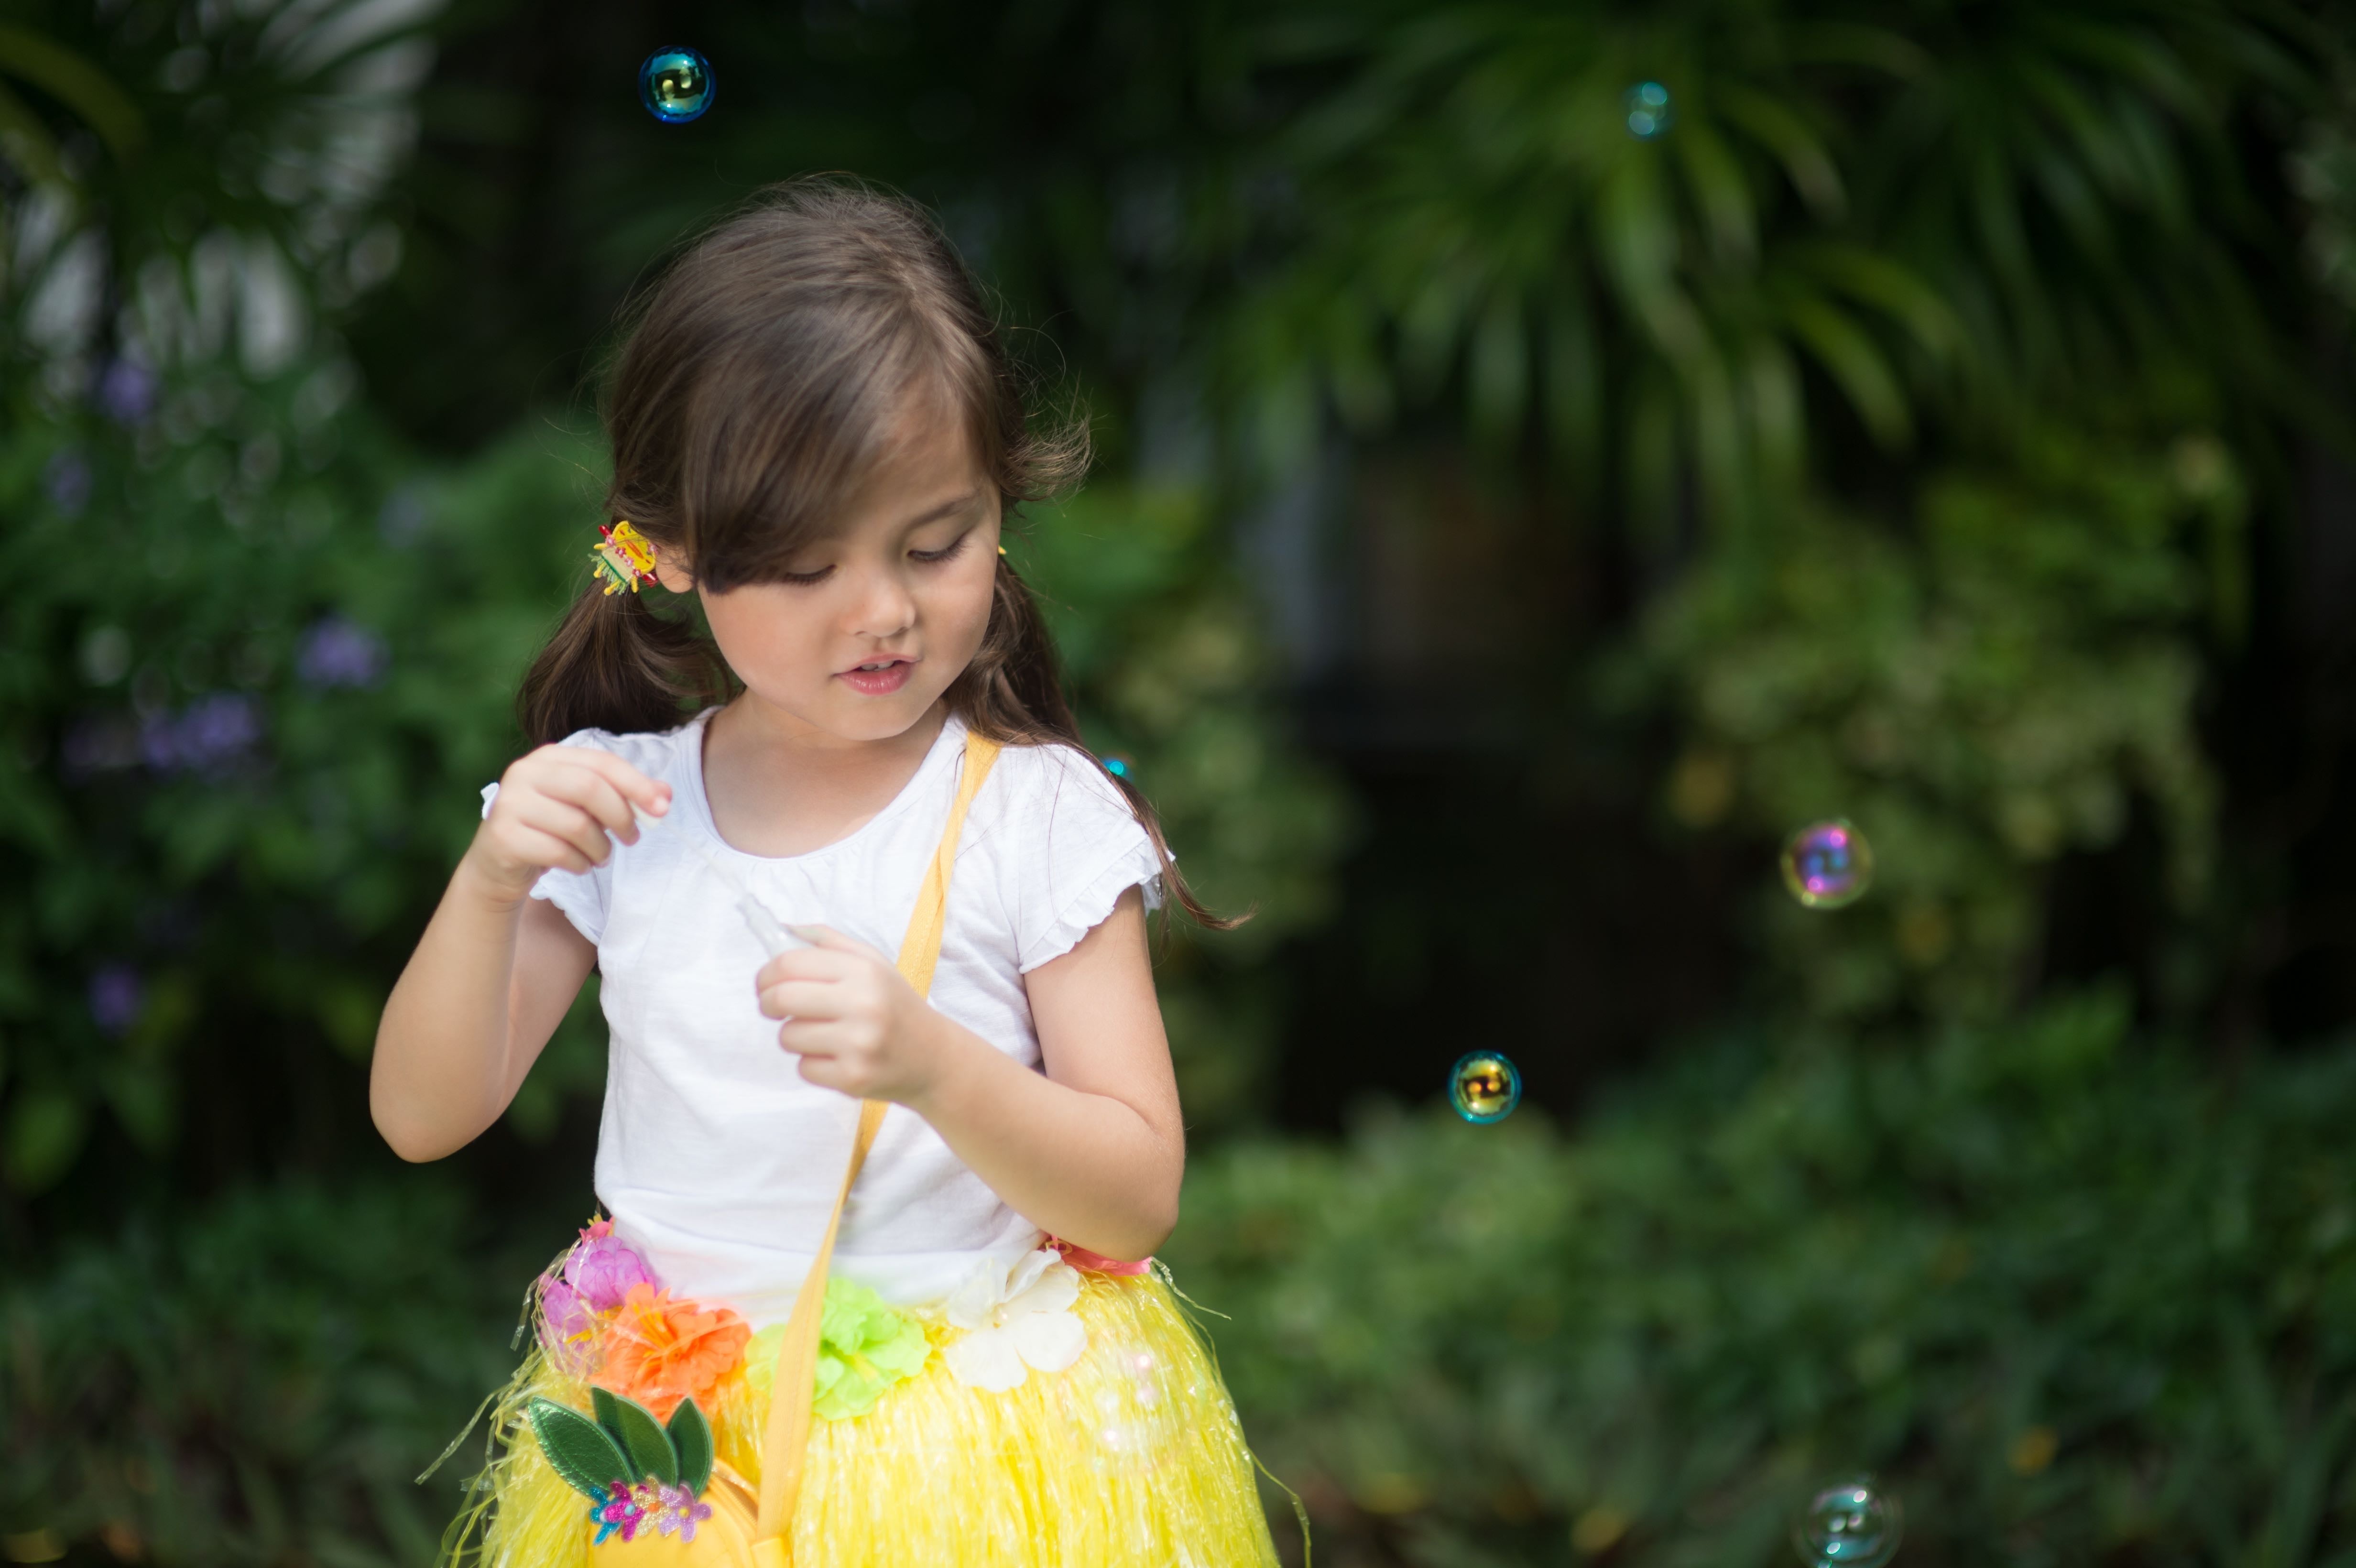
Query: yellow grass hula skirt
point(1131, 1456)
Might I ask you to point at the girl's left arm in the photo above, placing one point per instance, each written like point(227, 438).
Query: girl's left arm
point(1091, 1151)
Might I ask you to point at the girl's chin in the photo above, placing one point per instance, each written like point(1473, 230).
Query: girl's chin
point(845, 714)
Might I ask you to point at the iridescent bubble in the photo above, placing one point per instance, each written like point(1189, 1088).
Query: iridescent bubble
point(677, 85)
point(1123, 1396)
point(1647, 103)
point(1849, 1525)
point(1827, 864)
point(1117, 766)
point(1484, 1087)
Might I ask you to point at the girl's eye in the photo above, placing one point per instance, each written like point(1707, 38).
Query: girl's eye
point(934, 556)
point(806, 579)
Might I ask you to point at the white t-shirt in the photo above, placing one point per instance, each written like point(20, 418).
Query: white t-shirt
point(718, 1163)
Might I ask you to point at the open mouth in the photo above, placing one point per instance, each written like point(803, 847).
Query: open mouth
point(879, 678)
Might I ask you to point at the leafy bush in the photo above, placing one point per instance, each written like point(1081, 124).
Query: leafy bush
point(260, 1383)
point(1170, 670)
point(2001, 682)
point(2076, 1302)
point(249, 699)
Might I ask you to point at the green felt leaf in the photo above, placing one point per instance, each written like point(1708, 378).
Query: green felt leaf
point(644, 1439)
point(577, 1447)
point(690, 1437)
point(609, 1416)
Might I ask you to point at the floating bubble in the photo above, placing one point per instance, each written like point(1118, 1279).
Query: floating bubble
point(1849, 1525)
point(1123, 1396)
point(1117, 766)
point(1647, 103)
point(1484, 1087)
point(1827, 864)
point(676, 85)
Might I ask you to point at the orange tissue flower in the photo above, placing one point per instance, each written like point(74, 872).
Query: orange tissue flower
point(659, 1351)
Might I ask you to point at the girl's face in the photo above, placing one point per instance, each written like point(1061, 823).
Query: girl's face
point(879, 617)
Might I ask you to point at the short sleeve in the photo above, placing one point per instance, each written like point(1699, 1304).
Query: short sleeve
point(1066, 847)
point(582, 896)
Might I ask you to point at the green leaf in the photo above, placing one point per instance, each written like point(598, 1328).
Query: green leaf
point(1845, 350)
point(78, 84)
point(578, 1449)
point(691, 1439)
point(643, 1437)
point(45, 1133)
point(608, 1407)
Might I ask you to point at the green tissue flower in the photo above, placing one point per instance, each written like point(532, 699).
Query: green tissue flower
point(864, 1347)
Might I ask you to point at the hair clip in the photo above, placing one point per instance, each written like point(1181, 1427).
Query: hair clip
point(624, 559)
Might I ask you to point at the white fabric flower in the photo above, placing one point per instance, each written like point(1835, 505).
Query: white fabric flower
point(1012, 1315)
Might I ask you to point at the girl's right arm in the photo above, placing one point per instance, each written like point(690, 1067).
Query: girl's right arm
point(497, 968)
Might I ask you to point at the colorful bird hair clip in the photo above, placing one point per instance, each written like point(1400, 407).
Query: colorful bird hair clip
point(626, 559)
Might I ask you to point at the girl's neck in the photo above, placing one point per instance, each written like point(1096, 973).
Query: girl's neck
point(778, 786)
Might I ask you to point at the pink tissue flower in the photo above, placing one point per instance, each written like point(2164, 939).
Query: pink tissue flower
point(603, 1270)
point(579, 1295)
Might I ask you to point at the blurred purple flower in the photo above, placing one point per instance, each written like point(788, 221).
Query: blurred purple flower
point(207, 734)
point(336, 653)
point(115, 997)
point(126, 391)
point(67, 480)
point(601, 1270)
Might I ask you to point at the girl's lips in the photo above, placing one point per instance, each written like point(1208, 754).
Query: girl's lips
point(879, 682)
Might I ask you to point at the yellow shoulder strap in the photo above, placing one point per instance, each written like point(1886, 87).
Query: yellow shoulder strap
point(785, 1441)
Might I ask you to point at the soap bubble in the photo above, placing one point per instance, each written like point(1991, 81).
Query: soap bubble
point(676, 85)
point(1117, 766)
point(1123, 1396)
point(1647, 103)
point(1484, 1087)
point(1849, 1525)
point(1827, 864)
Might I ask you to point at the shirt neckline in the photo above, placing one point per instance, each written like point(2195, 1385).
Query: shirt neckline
point(949, 741)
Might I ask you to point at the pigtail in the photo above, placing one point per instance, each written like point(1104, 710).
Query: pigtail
point(755, 388)
point(615, 663)
point(1012, 693)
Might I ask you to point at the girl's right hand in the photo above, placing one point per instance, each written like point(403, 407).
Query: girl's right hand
point(553, 811)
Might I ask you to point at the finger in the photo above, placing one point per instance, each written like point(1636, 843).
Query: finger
point(802, 964)
point(652, 793)
point(826, 1074)
point(546, 849)
point(595, 793)
point(819, 1061)
point(827, 939)
point(803, 999)
point(822, 1037)
point(560, 819)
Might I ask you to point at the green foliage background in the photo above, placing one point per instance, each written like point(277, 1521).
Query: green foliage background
point(1939, 390)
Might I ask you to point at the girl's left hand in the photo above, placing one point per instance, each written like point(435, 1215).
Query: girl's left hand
point(858, 1026)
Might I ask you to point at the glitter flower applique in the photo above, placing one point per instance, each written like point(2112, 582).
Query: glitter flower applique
point(1015, 1317)
point(637, 1472)
point(630, 1508)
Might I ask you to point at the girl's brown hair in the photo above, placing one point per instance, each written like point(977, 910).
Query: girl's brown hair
point(754, 392)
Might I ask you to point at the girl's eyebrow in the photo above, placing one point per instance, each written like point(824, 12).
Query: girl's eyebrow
point(947, 509)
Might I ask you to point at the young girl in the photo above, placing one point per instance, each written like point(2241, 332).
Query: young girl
point(870, 1288)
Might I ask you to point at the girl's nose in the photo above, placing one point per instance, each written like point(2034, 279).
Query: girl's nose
point(884, 608)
